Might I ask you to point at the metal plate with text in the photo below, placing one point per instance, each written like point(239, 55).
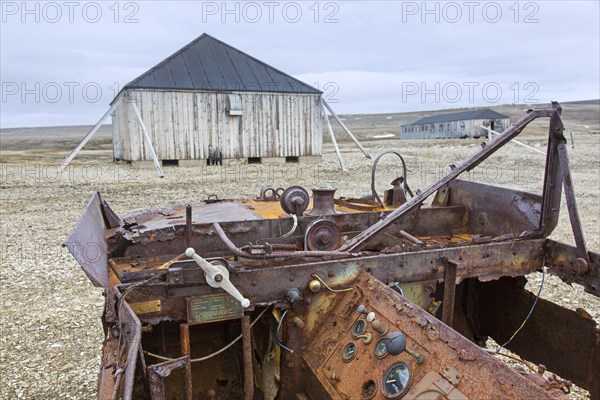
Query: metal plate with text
point(213, 307)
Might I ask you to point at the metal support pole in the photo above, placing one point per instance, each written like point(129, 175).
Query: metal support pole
point(184, 333)
point(247, 350)
point(91, 133)
point(449, 291)
point(332, 136)
point(490, 131)
point(147, 139)
point(347, 130)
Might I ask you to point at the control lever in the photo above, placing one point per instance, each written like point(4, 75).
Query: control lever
point(217, 276)
point(396, 344)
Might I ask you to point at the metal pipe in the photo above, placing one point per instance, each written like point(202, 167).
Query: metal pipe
point(184, 333)
point(188, 226)
point(449, 291)
point(288, 254)
point(247, 353)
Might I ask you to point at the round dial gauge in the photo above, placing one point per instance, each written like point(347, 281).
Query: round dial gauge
point(381, 348)
point(349, 352)
point(396, 380)
point(359, 328)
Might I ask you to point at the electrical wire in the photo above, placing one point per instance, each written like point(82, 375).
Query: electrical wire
point(277, 333)
point(530, 311)
point(293, 228)
point(211, 355)
point(327, 286)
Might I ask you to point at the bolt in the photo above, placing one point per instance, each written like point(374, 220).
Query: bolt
point(218, 278)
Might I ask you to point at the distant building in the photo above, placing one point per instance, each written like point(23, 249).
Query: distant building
point(211, 100)
point(465, 124)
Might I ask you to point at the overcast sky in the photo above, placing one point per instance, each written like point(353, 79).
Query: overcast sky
point(63, 62)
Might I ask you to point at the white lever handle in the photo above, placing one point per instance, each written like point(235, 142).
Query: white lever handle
point(217, 276)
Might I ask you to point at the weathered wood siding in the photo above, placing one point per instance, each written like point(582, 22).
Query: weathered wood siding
point(454, 129)
point(182, 125)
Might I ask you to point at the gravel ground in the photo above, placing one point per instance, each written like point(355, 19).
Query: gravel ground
point(50, 340)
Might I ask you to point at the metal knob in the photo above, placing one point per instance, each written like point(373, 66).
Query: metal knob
point(396, 344)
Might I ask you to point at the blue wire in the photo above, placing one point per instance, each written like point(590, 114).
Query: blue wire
point(277, 333)
point(530, 311)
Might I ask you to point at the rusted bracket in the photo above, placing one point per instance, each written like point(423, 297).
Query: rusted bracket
point(158, 372)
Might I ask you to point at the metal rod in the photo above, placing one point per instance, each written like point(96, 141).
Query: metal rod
point(188, 226)
point(449, 291)
point(572, 204)
point(410, 237)
point(332, 136)
point(91, 133)
point(347, 130)
point(184, 333)
point(247, 351)
point(147, 139)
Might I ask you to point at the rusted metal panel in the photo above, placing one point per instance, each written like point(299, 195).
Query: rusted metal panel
point(496, 211)
point(87, 242)
point(563, 340)
point(441, 347)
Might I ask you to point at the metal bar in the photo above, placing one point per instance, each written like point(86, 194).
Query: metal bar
point(132, 328)
point(188, 226)
point(147, 140)
point(247, 350)
point(490, 131)
point(410, 237)
point(332, 136)
point(91, 133)
point(449, 291)
point(347, 130)
point(360, 240)
point(184, 333)
point(571, 203)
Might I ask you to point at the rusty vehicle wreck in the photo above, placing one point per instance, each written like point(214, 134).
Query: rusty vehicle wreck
point(293, 296)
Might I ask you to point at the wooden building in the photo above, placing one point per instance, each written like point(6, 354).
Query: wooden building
point(211, 99)
point(465, 124)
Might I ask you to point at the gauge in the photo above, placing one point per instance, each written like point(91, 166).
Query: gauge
point(349, 352)
point(381, 348)
point(396, 380)
point(359, 328)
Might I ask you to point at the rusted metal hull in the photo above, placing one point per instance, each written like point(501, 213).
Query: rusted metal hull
point(180, 327)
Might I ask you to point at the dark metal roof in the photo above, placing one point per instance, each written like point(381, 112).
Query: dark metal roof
point(485, 113)
point(209, 64)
